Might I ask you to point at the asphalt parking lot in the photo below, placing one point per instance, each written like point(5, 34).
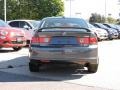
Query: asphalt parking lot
point(14, 68)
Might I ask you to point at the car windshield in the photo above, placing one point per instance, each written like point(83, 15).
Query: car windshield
point(90, 25)
point(103, 26)
point(64, 22)
point(3, 24)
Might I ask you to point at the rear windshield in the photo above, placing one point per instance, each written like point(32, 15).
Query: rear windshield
point(35, 23)
point(64, 22)
point(103, 26)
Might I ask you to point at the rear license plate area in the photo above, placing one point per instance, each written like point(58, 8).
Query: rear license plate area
point(64, 41)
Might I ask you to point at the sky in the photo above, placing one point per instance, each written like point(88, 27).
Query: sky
point(84, 8)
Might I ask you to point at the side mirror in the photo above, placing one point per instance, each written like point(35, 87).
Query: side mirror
point(26, 27)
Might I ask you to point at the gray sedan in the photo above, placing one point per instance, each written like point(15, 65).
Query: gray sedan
point(63, 41)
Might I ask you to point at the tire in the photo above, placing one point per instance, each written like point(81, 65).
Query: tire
point(92, 68)
point(99, 39)
point(119, 37)
point(110, 38)
point(33, 67)
point(17, 48)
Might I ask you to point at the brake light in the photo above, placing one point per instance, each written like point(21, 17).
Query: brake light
point(44, 39)
point(83, 40)
point(34, 40)
point(87, 40)
point(41, 40)
point(93, 40)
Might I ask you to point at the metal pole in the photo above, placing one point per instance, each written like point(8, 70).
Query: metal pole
point(105, 10)
point(70, 8)
point(5, 10)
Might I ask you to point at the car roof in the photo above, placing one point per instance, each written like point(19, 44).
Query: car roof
point(21, 20)
point(60, 17)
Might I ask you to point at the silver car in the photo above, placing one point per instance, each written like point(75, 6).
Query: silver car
point(64, 40)
point(100, 33)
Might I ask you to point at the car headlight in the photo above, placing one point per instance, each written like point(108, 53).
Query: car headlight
point(3, 33)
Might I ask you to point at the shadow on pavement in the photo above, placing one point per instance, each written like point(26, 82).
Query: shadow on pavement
point(16, 70)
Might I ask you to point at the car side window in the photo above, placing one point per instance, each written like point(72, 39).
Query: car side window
point(23, 23)
point(14, 24)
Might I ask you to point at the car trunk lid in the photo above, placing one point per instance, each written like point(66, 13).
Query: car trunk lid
point(62, 37)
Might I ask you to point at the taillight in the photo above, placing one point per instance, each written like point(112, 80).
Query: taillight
point(40, 40)
point(83, 40)
point(93, 40)
point(87, 40)
point(44, 39)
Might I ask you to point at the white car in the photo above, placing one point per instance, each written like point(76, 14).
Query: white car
point(100, 33)
point(29, 26)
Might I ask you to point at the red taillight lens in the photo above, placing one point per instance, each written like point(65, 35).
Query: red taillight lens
point(44, 39)
point(41, 40)
point(93, 40)
point(83, 40)
point(34, 40)
point(87, 40)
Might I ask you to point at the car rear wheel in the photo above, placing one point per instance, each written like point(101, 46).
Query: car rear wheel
point(17, 48)
point(92, 68)
point(33, 67)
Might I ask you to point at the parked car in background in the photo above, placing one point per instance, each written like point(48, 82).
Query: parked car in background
point(115, 27)
point(115, 31)
point(11, 37)
point(109, 30)
point(62, 40)
point(29, 26)
point(100, 33)
point(118, 27)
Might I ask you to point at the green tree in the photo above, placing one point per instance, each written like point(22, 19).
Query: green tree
point(118, 21)
point(33, 9)
point(96, 18)
point(111, 20)
point(1, 9)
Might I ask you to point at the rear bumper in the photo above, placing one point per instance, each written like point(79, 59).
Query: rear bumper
point(72, 54)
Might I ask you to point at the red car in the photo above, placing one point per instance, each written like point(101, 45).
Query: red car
point(11, 37)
